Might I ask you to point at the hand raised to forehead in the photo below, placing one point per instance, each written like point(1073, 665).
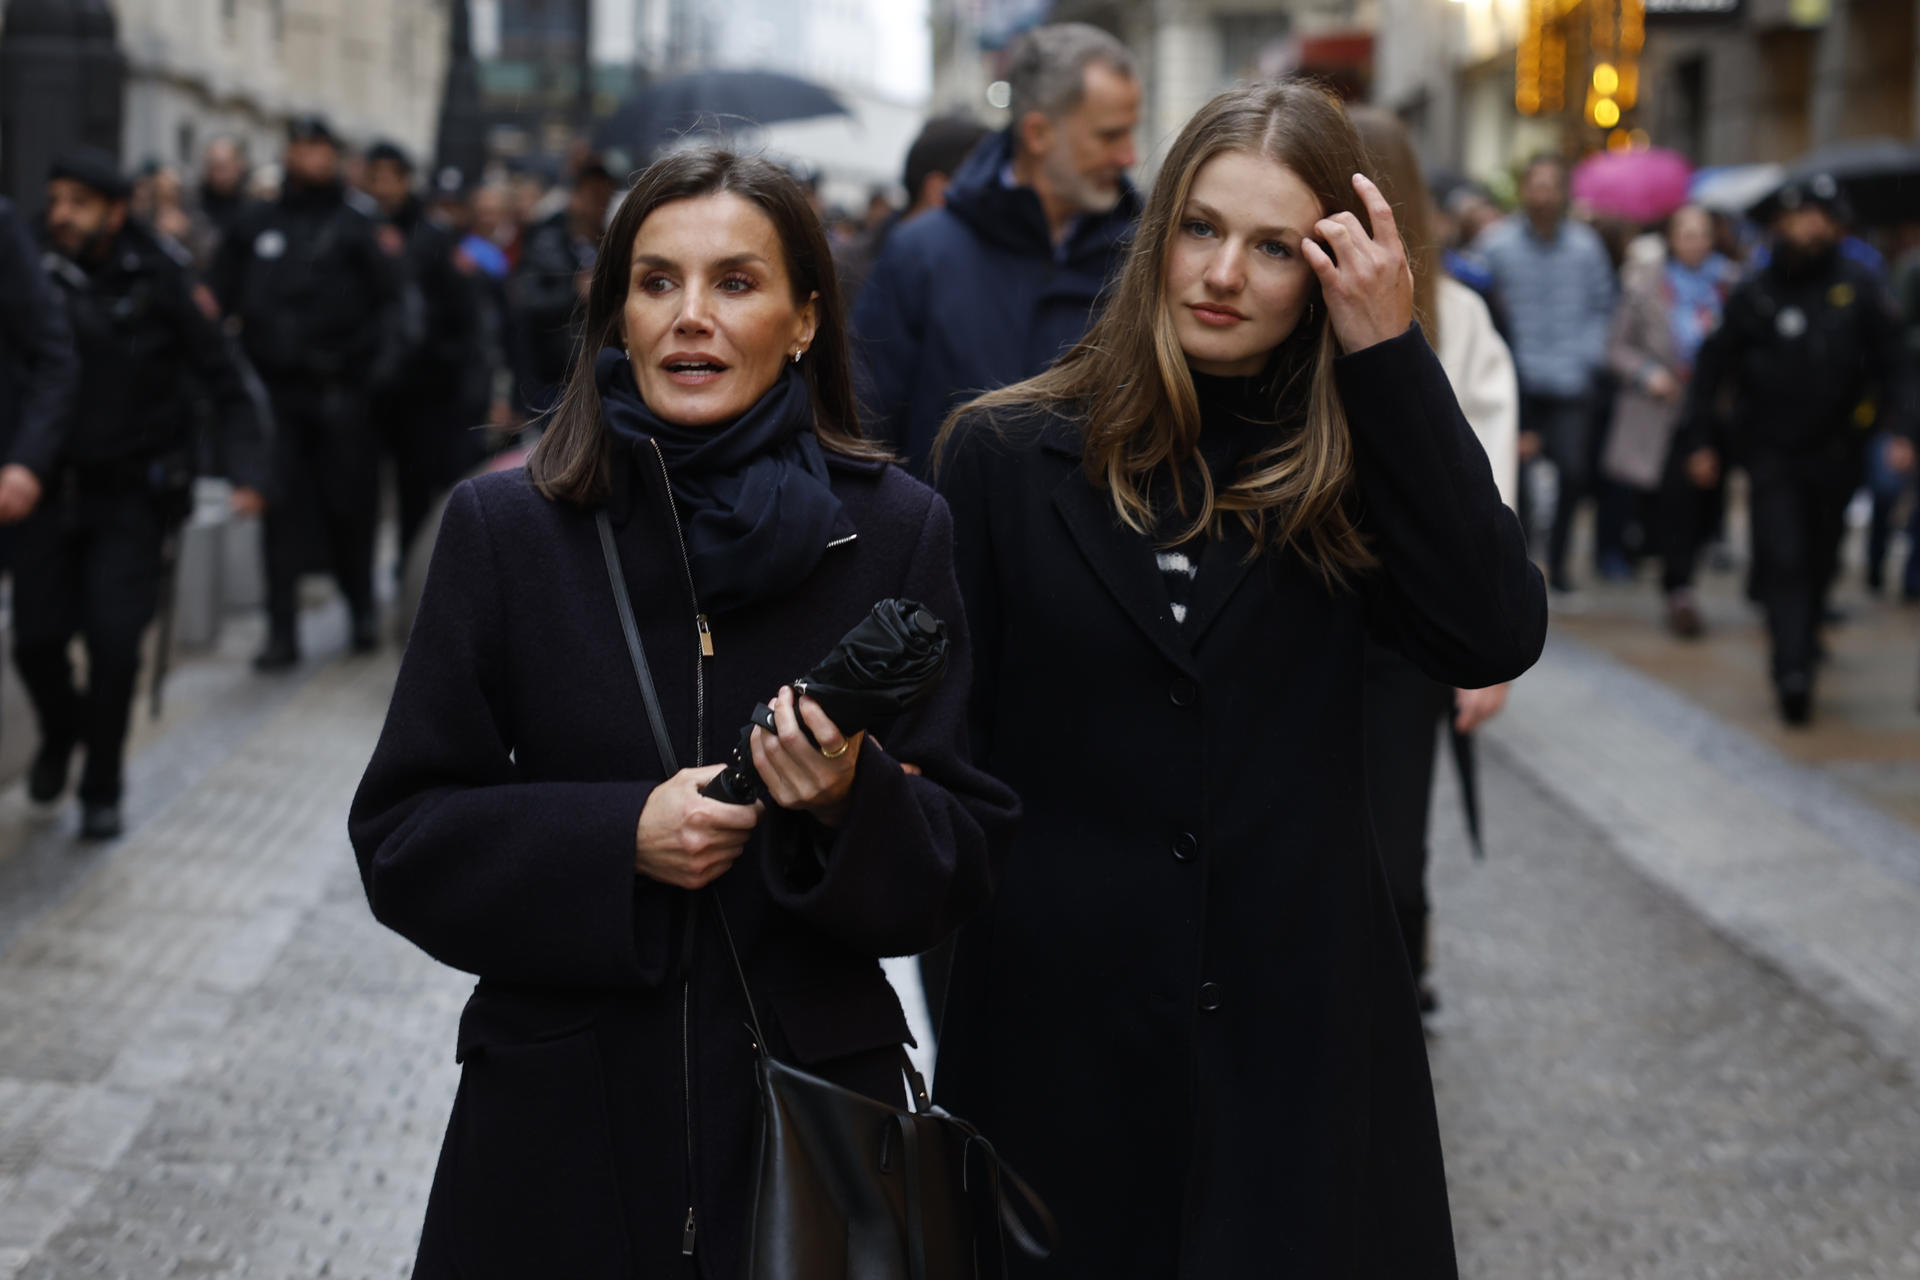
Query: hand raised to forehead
point(1367, 284)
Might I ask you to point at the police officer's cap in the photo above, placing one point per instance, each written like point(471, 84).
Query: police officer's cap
point(312, 128)
point(1820, 191)
point(93, 169)
point(391, 153)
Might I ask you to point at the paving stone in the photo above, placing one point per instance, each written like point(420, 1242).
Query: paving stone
point(214, 1063)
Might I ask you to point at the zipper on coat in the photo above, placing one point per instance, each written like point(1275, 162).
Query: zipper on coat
point(703, 635)
point(703, 631)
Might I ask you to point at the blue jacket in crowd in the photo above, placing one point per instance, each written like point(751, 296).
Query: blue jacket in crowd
point(974, 296)
point(1558, 296)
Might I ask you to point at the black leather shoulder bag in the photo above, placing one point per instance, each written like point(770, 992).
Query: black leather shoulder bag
point(847, 1187)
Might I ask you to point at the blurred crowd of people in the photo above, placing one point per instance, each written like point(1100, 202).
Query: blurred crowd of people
point(1654, 359)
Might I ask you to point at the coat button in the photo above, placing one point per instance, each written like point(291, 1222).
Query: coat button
point(1210, 997)
point(1185, 846)
point(1183, 691)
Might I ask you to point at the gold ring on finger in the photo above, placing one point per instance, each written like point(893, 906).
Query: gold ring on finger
point(835, 755)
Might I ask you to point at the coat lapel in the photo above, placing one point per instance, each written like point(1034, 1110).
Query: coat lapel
point(1222, 570)
point(1123, 561)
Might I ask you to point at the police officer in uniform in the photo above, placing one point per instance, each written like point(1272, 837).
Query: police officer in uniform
point(316, 302)
point(1804, 343)
point(89, 558)
point(417, 412)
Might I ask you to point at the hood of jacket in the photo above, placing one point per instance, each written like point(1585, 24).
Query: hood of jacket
point(1011, 217)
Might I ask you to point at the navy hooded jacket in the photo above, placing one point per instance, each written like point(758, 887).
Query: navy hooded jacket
point(975, 296)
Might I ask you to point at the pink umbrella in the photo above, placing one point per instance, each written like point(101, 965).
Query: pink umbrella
point(1641, 186)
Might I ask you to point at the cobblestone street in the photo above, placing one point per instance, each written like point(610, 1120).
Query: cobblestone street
point(213, 1062)
point(1624, 1093)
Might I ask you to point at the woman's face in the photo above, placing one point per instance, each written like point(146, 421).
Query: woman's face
point(1691, 236)
point(1236, 284)
point(710, 316)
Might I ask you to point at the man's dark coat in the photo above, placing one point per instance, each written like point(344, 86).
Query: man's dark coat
point(1187, 1017)
point(496, 827)
point(38, 365)
point(974, 296)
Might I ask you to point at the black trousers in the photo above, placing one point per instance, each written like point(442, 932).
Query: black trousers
point(1686, 518)
point(325, 504)
point(422, 433)
point(1566, 428)
point(1799, 518)
point(87, 564)
point(1404, 711)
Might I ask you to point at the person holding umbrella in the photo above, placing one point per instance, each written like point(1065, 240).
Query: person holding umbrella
point(1801, 346)
point(1187, 1016)
point(519, 820)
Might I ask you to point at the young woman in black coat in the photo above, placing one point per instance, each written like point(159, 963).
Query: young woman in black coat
point(516, 820)
point(1187, 1016)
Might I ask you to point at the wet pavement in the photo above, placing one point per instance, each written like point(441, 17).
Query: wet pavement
point(1679, 1034)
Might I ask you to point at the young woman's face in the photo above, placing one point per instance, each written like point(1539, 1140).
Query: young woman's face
point(1236, 284)
point(710, 318)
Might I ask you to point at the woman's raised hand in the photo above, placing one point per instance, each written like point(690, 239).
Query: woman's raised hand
point(816, 780)
point(1367, 284)
point(687, 840)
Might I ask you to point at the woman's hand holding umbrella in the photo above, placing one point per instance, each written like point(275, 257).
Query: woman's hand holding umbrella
point(799, 775)
point(685, 839)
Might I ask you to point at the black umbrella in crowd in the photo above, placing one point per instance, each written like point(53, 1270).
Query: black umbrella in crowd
point(1880, 178)
point(718, 101)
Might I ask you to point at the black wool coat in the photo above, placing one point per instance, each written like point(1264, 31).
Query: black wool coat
point(1187, 1017)
point(495, 827)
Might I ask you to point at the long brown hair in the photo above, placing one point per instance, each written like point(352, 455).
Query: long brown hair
point(1128, 383)
point(1396, 169)
point(574, 459)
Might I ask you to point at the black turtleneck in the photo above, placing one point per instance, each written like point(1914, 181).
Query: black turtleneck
point(1239, 416)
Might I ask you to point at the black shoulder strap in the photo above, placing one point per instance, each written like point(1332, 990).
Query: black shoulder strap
point(624, 603)
point(661, 741)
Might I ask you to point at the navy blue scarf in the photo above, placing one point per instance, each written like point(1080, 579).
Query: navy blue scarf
point(755, 504)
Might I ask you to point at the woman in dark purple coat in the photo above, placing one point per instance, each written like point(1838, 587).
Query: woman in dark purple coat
point(516, 821)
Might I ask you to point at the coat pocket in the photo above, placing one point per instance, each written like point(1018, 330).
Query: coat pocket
point(534, 1189)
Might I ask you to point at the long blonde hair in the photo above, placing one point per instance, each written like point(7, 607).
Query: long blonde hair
point(1127, 382)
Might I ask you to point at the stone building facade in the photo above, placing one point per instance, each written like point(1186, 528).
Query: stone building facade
point(197, 69)
point(1725, 82)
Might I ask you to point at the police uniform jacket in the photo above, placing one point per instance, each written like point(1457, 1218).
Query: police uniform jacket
point(1799, 349)
point(147, 355)
point(444, 334)
point(315, 297)
point(1187, 1017)
point(38, 367)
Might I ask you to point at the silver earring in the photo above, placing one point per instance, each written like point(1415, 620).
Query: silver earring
point(796, 355)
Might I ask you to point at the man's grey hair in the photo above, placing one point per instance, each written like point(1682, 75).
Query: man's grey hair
point(1048, 70)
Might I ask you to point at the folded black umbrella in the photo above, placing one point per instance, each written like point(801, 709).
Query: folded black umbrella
point(1465, 764)
point(891, 661)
